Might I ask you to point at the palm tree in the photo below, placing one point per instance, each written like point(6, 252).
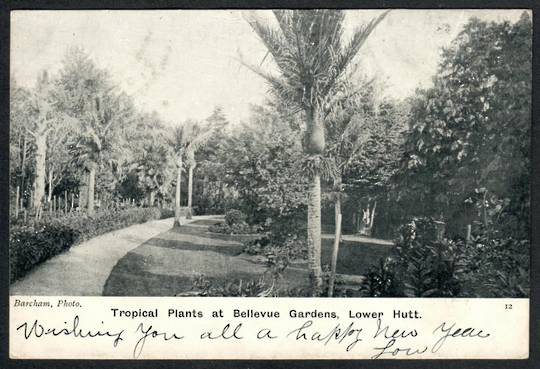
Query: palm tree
point(98, 143)
point(187, 139)
point(312, 60)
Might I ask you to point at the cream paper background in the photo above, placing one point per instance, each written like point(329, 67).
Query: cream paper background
point(508, 328)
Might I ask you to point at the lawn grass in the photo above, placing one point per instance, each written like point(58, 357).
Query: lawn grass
point(166, 265)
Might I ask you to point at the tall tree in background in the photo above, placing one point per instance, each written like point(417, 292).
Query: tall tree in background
point(312, 60)
point(42, 107)
point(20, 147)
point(187, 139)
point(88, 97)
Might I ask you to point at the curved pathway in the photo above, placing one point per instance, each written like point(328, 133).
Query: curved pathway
point(83, 269)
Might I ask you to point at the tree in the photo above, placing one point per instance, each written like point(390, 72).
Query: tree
point(88, 97)
point(43, 110)
point(467, 153)
point(262, 159)
point(153, 168)
point(58, 156)
point(312, 60)
point(347, 125)
point(20, 147)
point(186, 138)
point(212, 196)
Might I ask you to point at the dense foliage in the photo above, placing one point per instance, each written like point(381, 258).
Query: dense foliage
point(467, 151)
point(423, 264)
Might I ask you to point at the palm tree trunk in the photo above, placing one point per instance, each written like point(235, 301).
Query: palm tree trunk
point(190, 190)
point(91, 185)
point(335, 250)
point(39, 182)
point(314, 235)
point(177, 214)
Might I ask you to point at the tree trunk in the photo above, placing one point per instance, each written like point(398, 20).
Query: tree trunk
point(372, 219)
point(17, 202)
point(23, 164)
point(50, 185)
point(151, 200)
point(335, 250)
point(484, 209)
point(39, 181)
point(177, 222)
point(190, 190)
point(314, 235)
point(314, 144)
point(83, 191)
point(205, 185)
point(91, 185)
point(315, 141)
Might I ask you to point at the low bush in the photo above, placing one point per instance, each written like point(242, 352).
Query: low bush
point(238, 228)
point(234, 216)
point(30, 245)
point(166, 213)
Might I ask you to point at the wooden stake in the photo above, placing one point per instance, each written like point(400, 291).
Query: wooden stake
point(17, 203)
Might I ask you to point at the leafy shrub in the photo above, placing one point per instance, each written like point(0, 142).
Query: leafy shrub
point(166, 213)
point(234, 216)
point(496, 267)
point(381, 281)
point(423, 265)
point(256, 247)
point(236, 228)
point(282, 228)
point(32, 244)
point(277, 257)
point(29, 246)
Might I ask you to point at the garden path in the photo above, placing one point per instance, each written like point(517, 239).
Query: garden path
point(84, 269)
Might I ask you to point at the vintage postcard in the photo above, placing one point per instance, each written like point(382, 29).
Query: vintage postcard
point(270, 184)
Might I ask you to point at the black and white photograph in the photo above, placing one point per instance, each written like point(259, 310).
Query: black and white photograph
point(270, 153)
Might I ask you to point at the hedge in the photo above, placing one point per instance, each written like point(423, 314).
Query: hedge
point(30, 245)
